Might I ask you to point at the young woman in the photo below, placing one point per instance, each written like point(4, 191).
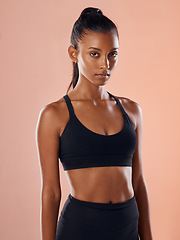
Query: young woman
point(97, 137)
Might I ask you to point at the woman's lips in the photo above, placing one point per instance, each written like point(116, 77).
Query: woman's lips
point(102, 75)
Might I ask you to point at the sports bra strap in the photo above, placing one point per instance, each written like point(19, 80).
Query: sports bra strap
point(69, 105)
point(71, 110)
point(118, 102)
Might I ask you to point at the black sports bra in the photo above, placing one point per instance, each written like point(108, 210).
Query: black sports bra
point(82, 148)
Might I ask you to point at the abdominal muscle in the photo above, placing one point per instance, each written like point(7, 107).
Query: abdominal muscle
point(101, 184)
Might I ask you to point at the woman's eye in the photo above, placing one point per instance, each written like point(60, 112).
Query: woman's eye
point(93, 53)
point(114, 54)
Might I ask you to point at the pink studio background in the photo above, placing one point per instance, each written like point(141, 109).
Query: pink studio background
point(36, 70)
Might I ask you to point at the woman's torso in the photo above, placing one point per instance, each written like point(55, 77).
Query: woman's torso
point(98, 184)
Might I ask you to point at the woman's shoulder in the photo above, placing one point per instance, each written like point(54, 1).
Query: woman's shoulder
point(54, 113)
point(128, 103)
point(55, 107)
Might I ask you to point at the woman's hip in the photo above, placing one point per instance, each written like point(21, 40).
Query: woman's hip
point(93, 220)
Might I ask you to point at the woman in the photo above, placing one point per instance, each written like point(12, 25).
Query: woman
point(97, 137)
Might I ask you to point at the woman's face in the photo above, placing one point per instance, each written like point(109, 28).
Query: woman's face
point(97, 54)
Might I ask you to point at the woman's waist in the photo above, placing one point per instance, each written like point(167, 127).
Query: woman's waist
point(104, 193)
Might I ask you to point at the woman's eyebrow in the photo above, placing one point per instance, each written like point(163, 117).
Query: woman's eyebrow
point(100, 49)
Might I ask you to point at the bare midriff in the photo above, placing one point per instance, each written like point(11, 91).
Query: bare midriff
point(101, 184)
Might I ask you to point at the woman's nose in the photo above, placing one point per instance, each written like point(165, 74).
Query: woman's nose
point(105, 63)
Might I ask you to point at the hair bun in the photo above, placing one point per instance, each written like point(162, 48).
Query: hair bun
point(91, 10)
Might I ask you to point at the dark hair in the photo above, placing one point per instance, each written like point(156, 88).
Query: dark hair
point(91, 19)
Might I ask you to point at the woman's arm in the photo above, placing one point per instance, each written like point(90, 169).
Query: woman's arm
point(47, 140)
point(139, 183)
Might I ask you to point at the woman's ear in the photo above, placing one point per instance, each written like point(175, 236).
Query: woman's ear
point(72, 53)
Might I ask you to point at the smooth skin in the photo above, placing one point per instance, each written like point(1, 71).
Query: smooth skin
point(97, 53)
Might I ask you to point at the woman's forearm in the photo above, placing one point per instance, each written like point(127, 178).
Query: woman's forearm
point(141, 195)
point(49, 216)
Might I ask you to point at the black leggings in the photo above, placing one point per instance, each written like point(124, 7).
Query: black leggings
point(82, 220)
